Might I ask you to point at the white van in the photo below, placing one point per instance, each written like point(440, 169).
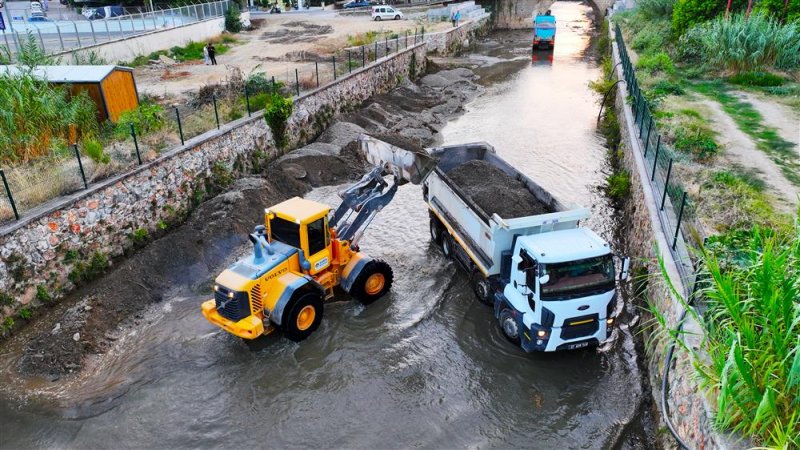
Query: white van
point(385, 12)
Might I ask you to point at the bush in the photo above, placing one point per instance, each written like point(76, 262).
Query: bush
point(233, 19)
point(651, 39)
point(656, 8)
point(750, 44)
point(751, 349)
point(696, 139)
point(688, 13)
point(95, 151)
point(764, 79)
point(42, 295)
point(147, 118)
point(276, 114)
point(619, 184)
point(657, 62)
point(24, 314)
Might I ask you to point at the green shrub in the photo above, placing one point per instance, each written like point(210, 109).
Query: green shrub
point(95, 151)
point(688, 13)
point(233, 19)
point(750, 359)
point(97, 265)
point(276, 114)
point(147, 118)
point(763, 79)
point(140, 236)
point(657, 62)
point(259, 101)
point(42, 295)
point(651, 36)
point(619, 184)
point(24, 314)
point(696, 139)
point(656, 8)
point(742, 44)
point(6, 300)
point(8, 324)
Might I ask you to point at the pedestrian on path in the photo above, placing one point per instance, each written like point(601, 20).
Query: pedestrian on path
point(206, 59)
point(457, 17)
point(453, 18)
point(212, 54)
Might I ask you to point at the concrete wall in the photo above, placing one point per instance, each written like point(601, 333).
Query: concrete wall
point(40, 250)
point(690, 411)
point(126, 49)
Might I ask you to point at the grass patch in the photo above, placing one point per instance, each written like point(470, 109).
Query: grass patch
point(657, 62)
point(619, 185)
point(752, 123)
point(761, 79)
point(734, 199)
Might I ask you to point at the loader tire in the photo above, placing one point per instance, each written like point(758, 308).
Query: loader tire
point(436, 231)
point(303, 316)
point(374, 281)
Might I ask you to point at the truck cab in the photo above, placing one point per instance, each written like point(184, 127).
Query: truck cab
point(561, 291)
point(544, 31)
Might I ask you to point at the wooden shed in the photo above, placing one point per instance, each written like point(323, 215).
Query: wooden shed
point(112, 88)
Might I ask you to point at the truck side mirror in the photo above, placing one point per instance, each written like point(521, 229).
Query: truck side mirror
point(626, 266)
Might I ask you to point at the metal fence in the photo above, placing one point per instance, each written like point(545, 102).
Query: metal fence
point(28, 186)
point(677, 210)
point(62, 35)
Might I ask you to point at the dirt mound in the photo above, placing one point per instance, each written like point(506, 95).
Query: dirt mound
point(297, 31)
point(341, 134)
point(494, 191)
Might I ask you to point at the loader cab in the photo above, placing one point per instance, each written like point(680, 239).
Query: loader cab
point(302, 224)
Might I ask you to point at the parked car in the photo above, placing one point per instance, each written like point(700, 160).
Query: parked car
point(386, 12)
point(103, 12)
point(356, 4)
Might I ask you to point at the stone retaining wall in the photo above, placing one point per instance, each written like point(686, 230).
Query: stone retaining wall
point(45, 252)
point(690, 411)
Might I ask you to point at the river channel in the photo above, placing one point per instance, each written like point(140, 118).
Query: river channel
point(424, 367)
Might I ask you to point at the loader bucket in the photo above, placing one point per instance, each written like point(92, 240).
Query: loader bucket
point(407, 165)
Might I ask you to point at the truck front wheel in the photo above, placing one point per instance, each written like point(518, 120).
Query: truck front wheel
point(304, 316)
point(374, 281)
point(509, 325)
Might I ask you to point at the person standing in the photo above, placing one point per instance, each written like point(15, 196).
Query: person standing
point(212, 54)
point(457, 18)
point(453, 18)
point(206, 59)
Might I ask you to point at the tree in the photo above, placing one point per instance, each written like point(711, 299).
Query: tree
point(233, 19)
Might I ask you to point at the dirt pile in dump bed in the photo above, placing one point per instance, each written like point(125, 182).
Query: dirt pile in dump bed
point(494, 191)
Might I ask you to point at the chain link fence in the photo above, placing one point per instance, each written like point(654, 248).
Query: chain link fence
point(677, 210)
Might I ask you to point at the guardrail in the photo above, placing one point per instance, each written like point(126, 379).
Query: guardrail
point(64, 35)
point(676, 209)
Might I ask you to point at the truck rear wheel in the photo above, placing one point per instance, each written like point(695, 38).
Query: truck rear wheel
point(436, 231)
point(304, 316)
point(447, 245)
point(374, 281)
point(509, 325)
point(481, 287)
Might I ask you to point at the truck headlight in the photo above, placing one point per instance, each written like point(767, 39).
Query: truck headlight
point(610, 322)
point(541, 333)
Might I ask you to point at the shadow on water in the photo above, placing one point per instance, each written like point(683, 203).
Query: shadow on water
point(426, 366)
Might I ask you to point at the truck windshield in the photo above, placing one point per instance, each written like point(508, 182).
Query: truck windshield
point(575, 278)
point(285, 231)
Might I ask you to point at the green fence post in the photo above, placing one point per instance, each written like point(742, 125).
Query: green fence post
point(666, 183)
point(80, 166)
point(180, 126)
point(8, 192)
point(680, 218)
point(136, 144)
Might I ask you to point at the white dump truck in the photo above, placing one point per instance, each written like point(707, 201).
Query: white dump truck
point(552, 282)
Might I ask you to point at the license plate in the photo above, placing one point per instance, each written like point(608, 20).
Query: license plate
point(577, 345)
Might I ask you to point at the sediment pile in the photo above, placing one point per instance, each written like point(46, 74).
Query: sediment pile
point(496, 192)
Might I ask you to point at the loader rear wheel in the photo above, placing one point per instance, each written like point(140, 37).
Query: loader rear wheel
point(303, 317)
point(509, 325)
point(374, 281)
point(436, 231)
point(447, 245)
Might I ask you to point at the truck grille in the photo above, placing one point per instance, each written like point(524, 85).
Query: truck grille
point(236, 308)
point(580, 326)
point(255, 299)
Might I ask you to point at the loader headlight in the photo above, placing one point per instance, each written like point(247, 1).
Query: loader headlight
point(230, 294)
point(216, 287)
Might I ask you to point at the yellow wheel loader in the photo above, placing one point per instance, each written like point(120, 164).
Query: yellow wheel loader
point(305, 249)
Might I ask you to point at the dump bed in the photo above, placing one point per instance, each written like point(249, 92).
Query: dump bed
point(484, 237)
point(544, 27)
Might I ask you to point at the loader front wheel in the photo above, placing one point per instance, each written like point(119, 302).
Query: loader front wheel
point(304, 317)
point(374, 281)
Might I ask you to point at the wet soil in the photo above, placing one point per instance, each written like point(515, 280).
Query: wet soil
point(186, 260)
point(496, 192)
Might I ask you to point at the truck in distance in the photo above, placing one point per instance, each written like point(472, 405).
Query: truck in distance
point(544, 31)
point(551, 282)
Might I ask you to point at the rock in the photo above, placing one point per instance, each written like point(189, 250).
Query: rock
point(166, 60)
point(56, 329)
point(435, 80)
point(294, 170)
point(76, 337)
point(341, 134)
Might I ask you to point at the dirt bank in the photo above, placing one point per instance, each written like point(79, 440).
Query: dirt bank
point(187, 259)
point(495, 192)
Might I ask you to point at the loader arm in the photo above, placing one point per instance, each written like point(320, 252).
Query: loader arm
point(372, 193)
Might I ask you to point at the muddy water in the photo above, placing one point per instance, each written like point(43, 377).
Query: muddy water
point(425, 366)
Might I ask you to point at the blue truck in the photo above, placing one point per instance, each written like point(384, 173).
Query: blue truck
point(544, 31)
